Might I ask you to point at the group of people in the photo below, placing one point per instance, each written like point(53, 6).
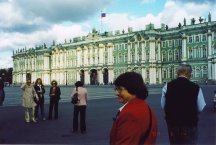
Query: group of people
point(135, 122)
point(33, 99)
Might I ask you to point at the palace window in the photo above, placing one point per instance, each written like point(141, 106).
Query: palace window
point(133, 56)
point(139, 44)
point(176, 55)
point(164, 74)
point(205, 72)
point(120, 58)
point(147, 74)
point(147, 55)
point(190, 53)
point(197, 73)
point(170, 43)
point(133, 46)
point(126, 46)
point(177, 42)
point(122, 46)
point(140, 56)
point(197, 38)
point(204, 37)
point(214, 35)
point(163, 56)
point(126, 57)
point(170, 56)
point(190, 40)
point(204, 55)
point(163, 44)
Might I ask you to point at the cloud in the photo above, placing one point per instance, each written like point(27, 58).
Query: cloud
point(33, 15)
point(173, 13)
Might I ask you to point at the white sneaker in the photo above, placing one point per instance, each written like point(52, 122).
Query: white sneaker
point(33, 120)
point(27, 121)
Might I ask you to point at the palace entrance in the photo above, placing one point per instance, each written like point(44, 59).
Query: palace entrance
point(105, 76)
point(93, 77)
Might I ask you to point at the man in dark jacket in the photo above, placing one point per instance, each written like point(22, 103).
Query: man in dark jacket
point(2, 93)
point(182, 100)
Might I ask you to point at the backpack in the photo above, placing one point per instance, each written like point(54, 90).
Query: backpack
point(74, 99)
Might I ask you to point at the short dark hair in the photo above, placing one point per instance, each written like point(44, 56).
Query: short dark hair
point(133, 83)
point(79, 84)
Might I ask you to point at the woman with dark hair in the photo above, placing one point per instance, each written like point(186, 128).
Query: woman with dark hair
point(135, 122)
point(39, 88)
point(80, 107)
point(54, 94)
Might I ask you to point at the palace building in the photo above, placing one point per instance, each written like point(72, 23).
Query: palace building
point(98, 58)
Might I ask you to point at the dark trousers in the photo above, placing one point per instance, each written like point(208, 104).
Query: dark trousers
point(82, 111)
point(41, 106)
point(182, 135)
point(53, 105)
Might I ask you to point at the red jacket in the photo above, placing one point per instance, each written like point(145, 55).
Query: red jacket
point(132, 122)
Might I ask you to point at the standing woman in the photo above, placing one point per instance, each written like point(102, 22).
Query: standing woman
point(54, 94)
point(28, 100)
point(39, 88)
point(80, 107)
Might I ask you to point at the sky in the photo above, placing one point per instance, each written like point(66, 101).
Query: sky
point(30, 23)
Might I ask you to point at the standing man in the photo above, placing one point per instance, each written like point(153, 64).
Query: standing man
point(182, 100)
point(2, 93)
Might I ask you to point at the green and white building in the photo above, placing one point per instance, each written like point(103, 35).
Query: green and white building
point(99, 58)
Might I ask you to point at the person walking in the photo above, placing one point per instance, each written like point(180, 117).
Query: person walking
point(54, 94)
point(40, 90)
point(28, 103)
point(182, 100)
point(135, 122)
point(80, 107)
point(2, 93)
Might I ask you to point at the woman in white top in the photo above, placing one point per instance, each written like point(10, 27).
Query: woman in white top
point(80, 107)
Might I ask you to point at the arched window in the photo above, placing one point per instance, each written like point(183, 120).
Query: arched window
point(147, 55)
point(197, 75)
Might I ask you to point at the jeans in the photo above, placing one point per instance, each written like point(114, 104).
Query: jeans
point(53, 104)
point(41, 105)
point(179, 135)
point(82, 110)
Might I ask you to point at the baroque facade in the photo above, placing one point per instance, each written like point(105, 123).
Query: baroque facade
point(100, 58)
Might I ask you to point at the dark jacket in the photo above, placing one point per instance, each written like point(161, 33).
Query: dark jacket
point(40, 93)
point(181, 102)
point(57, 93)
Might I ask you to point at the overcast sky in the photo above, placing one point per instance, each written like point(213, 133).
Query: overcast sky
point(29, 23)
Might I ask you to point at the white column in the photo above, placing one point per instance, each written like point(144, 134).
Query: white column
point(91, 55)
point(78, 57)
point(111, 75)
point(143, 73)
point(152, 54)
point(209, 44)
point(143, 53)
point(159, 51)
point(101, 55)
point(129, 53)
point(160, 74)
point(87, 77)
point(135, 52)
point(184, 51)
point(152, 75)
point(214, 68)
point(100, 76)
point(209, 54)
point(85, 57)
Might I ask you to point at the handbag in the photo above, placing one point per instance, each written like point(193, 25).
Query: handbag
point(74, 99)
